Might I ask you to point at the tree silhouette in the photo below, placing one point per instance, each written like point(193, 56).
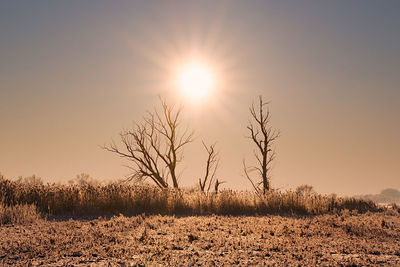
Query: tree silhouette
point(263, 136)
point(155, 145)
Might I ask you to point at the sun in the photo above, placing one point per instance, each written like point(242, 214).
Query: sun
point(196, 81)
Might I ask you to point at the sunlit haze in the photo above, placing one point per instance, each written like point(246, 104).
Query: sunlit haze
point(196, 81)
point(73, 74)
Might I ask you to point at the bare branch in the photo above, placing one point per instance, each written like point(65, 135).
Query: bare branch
point(245, 169)
point(211, 167)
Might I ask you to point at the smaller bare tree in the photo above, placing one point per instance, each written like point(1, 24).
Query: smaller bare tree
point(211, 168)
point(30, 180)
point(263, 136)
point(84, 179)
point(155, 146)
point(305, 190)
point(217, 184)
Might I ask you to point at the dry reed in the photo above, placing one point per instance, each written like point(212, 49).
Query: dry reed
point(128, 199)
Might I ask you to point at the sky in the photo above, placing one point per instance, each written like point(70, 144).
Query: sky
point(73, 74)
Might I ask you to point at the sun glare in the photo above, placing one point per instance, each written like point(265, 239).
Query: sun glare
point(196, 81)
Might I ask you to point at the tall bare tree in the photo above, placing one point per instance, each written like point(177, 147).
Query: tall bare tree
point(263, 136)
point(211, 168)
point(155, 145)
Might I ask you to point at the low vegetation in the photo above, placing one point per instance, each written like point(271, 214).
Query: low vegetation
point(77, 199)
point(126, 224)
point(18, 214)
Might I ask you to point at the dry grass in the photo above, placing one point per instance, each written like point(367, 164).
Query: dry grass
point(18, 214)
point(114, 199)
point(330, 231)
point(342, 239)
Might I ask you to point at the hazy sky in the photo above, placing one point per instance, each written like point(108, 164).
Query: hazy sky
point(74, 73)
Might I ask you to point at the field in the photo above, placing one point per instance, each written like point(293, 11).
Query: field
point(346, 238)
point(131, 225)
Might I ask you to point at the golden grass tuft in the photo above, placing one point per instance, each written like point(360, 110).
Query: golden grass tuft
point(18, 214)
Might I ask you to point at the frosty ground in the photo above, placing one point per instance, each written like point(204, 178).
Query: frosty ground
point(343, 238)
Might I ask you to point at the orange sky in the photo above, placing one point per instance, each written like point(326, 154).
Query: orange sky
point(72, 75)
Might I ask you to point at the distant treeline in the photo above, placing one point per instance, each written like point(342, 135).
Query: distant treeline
point(387, 196)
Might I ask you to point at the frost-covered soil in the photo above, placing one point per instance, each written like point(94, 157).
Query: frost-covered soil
point(344, 239)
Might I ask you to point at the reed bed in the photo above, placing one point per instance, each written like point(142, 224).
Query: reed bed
point(18, 214)
point(130, 199)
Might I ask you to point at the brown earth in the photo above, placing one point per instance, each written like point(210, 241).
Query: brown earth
point(343, 239)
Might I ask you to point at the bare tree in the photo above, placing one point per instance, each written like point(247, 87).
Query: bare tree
point(217, 184)
point(155, 145)
point(84, 179)
point(30, 180)
point(211, 168)
point(264, 136)
point(305, 190)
